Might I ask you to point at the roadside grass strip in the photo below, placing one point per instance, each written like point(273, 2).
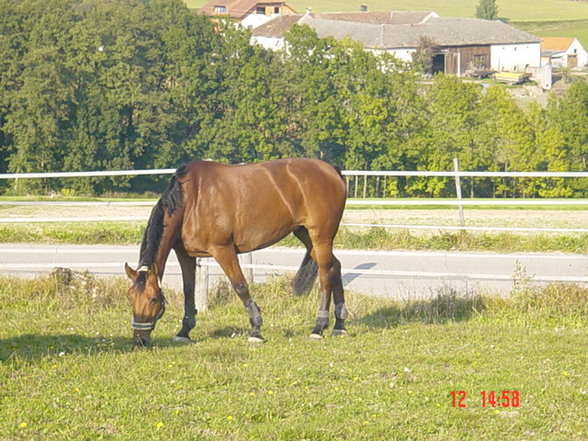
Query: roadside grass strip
point(374, 238)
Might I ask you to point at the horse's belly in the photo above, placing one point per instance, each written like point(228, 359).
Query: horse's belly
point(251, 240)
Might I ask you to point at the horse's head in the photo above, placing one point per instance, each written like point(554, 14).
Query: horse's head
point(147, 301)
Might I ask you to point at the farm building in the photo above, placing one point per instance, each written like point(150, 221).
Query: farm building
point(251, 13)
point(563, 52)
point(461, 44)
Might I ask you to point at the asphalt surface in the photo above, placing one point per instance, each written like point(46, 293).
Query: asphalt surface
point(393, 274)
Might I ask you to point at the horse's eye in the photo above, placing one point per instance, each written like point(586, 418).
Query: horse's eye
point(154, 300)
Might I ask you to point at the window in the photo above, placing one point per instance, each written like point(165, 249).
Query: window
point(479, 61)
point(260, 10)
point(220, 9)
point(276, 10)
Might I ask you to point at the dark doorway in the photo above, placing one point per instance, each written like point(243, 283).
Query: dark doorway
point(438, 63)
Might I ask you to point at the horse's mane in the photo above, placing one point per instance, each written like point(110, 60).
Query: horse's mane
point(171, 199)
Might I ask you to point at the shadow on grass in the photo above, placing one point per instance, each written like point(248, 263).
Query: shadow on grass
point(228, 331)
point(33, 347)
point(445, 307)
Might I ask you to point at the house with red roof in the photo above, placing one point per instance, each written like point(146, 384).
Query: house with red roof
point(250, 13)
point(563, 52)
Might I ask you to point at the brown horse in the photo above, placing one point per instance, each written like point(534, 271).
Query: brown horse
point(210, 209)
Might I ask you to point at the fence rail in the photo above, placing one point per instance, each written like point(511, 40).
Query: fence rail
point(397, 173)
point(202, 272)
point(459, 202)
point(357, 202)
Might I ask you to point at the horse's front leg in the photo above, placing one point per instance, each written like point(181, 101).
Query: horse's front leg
point(188, 266)
point(229, 262)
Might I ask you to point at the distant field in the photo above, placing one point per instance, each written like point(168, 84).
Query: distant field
point(565, 28)
point(522, 10)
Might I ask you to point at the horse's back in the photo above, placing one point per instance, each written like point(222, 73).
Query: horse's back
point(258, 204)
point(288, 177)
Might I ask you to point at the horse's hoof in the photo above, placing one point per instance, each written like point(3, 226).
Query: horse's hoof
point(178, 339)
point(314, 336)
point(255, 339)
point(338, 332)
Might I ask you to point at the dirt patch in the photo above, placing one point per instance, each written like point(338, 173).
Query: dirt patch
point(475, 217)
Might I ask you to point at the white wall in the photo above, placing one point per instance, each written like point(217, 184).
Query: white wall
point(272, 43)
point(404, 54)
point(515, 57)
point(576, 48)
point(254, 20)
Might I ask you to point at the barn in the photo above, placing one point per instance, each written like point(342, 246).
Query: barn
point(460, 44)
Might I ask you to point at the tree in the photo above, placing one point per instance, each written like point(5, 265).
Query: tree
point(487, 10)
point(422, 58)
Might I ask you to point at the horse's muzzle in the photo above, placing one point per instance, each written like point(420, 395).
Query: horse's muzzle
point(142, 330)
point(142, 338)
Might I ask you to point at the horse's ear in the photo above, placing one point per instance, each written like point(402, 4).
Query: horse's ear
point(131, 273)
point(154, 270)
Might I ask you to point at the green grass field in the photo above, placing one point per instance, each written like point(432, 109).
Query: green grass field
point(571, 28)
point(67, 370)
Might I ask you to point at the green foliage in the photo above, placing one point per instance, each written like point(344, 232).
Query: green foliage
point(487, 9)
point(143, 84)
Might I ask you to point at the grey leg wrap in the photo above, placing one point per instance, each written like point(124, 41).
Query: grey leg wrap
point(340, 315)
point(254, 314)
point(322, 321)
point(341, 311)
point(322, 317)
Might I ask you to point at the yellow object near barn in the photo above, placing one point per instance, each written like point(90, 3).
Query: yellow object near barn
point(511, 77)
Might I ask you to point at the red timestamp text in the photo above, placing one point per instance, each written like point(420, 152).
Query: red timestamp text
point(505, 398)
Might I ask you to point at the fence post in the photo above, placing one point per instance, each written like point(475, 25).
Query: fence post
point(365, 186)
point(201, 292)
point(247, 259)
point(458, 192)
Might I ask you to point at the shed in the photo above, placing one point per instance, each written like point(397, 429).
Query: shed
point(563, 52)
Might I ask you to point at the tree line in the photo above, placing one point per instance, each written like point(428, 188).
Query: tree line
point(131, 84)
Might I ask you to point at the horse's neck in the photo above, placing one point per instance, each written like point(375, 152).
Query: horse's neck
point(170, 235)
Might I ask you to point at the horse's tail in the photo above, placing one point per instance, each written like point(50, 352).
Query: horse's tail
point(305, 277)
point(339, 171)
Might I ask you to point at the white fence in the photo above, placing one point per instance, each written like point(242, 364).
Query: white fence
point(459, 202)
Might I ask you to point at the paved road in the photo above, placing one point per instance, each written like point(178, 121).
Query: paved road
point(394, 274)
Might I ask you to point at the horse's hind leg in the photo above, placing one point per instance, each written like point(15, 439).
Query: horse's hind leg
point(330, 283)
point(227, 259)
point(339, 299)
